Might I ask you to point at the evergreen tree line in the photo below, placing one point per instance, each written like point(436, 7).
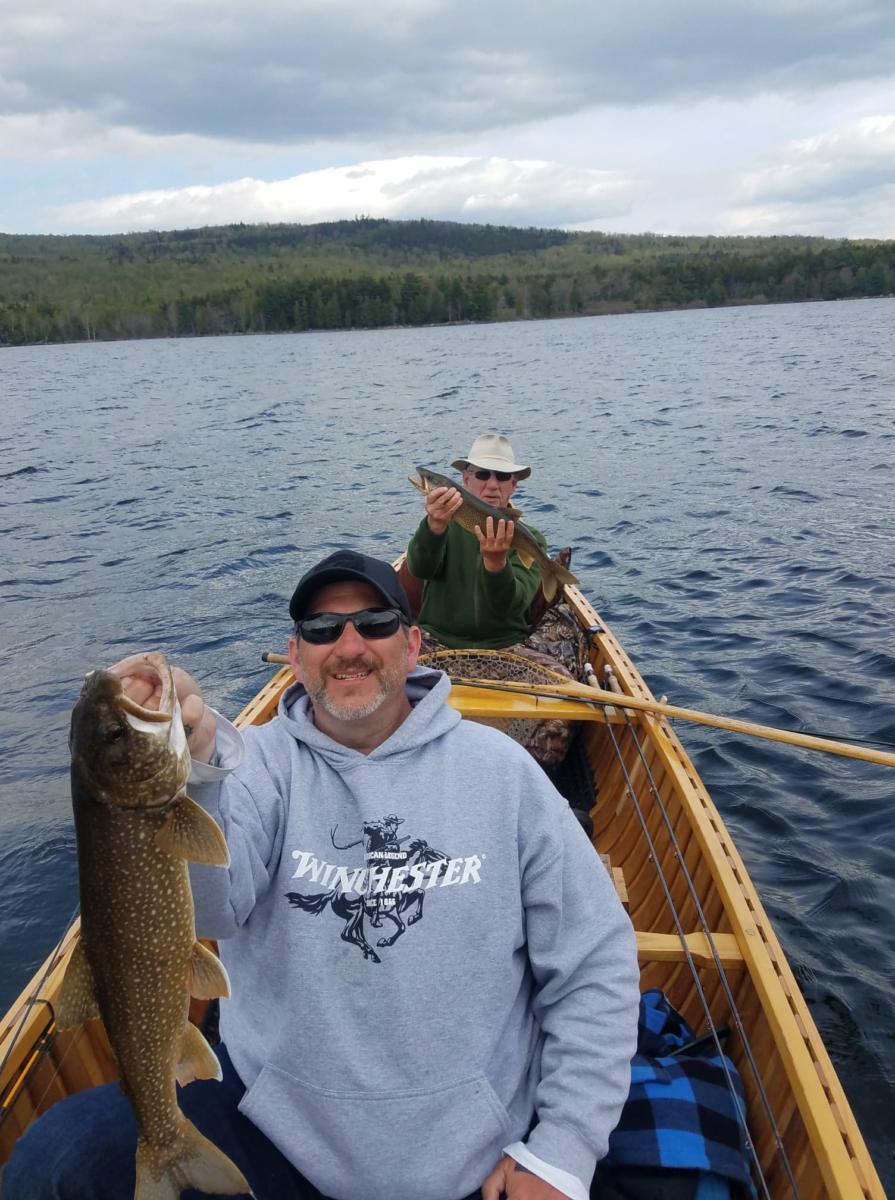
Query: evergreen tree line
point(197, 282)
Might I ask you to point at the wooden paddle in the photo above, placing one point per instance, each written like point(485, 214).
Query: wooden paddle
point(581, 691)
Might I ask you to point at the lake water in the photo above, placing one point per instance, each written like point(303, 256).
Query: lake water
point(726, 481)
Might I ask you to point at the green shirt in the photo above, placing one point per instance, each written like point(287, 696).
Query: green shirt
point(464, 605)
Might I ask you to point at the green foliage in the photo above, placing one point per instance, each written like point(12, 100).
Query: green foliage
point(368, 273)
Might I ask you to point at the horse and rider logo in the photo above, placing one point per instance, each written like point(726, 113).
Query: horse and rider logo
point(391, 885)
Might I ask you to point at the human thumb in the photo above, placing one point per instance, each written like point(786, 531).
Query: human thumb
point(200, 726)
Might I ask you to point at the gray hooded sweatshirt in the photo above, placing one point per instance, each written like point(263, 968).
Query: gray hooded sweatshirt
point(426, 955)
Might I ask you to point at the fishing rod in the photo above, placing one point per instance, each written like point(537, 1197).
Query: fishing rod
point(594, 695)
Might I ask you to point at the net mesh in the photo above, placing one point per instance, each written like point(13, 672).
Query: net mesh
point(491, 664)
point(546, 740)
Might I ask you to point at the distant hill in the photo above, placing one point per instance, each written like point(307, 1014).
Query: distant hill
point(367, 273)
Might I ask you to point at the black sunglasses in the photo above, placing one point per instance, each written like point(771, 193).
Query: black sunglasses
point(324, 628)
point(500, 476)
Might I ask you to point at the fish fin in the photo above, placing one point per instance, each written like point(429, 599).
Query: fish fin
point(563, 574)
point(197, 1059)
point(553, 575)
point(549, 585)
point(525, 559)
point(208, 975)
point(77, 995)
point(198, 1164)
point(190, 833)
point(514, 513)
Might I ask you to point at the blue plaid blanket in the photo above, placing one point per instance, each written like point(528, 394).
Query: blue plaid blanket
point(680, 1112)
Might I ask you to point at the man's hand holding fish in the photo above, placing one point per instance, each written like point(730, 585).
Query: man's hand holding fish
point(495, 537)
point(144, 686)
point(441, 505)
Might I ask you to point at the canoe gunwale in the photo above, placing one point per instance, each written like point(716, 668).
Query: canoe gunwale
point(23, 1043)
point(832, 1129)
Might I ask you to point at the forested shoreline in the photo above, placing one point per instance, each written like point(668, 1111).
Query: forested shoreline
point(370, 273)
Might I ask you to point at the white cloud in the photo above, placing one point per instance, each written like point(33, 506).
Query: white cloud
point(854, 158)
point(839, 183)
point(454, 188)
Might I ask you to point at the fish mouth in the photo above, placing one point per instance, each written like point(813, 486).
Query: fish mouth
point(154, 668)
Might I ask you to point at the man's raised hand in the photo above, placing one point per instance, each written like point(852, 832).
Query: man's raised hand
point(143, 686)
point(495, 543)
point(441, 505)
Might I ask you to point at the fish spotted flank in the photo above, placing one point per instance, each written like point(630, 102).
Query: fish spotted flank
point(474, 511)
point(138, 960)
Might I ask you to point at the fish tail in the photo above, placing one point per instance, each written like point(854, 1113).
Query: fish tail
point(195, 1163)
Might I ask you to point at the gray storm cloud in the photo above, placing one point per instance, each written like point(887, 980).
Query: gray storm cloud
point(292, 72)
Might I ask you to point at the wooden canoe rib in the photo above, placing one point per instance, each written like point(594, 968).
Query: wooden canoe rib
point(703, 938)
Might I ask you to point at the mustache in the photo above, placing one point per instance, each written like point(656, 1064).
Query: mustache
point(340, 666)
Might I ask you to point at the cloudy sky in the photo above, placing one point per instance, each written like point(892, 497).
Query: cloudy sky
point(678, 116)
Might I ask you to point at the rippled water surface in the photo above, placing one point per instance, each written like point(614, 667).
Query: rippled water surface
point(725, 478)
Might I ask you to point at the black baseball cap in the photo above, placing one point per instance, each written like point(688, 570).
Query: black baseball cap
point(348, 564)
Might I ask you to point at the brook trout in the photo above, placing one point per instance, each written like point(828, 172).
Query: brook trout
point(474, 511)
point(138, 961)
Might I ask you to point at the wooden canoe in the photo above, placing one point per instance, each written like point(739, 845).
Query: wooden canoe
point(703, 937)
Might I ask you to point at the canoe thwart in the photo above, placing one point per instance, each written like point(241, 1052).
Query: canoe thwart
point(668, 947)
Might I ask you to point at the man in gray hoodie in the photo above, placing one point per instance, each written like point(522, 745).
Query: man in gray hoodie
point(435, 987)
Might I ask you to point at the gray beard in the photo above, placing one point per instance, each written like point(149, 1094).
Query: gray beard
point(388, 684)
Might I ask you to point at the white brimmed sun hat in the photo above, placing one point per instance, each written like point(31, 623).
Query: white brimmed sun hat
point(493, 452)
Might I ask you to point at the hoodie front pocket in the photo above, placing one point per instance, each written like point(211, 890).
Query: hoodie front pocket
point(422, 1144)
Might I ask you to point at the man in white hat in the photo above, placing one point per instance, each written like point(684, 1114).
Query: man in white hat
point(476, 592)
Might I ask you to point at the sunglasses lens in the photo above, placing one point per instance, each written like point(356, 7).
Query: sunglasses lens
point(376, 624)
point(500, 476)
point(325, 628)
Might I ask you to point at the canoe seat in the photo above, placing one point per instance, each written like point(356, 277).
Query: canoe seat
point(617, 875)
